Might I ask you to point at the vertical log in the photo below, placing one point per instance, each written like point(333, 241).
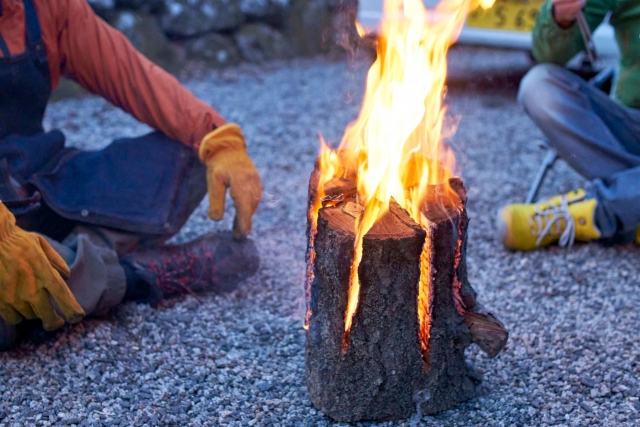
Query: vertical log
point(448, 378)
point(384, 373)
point(376, 377)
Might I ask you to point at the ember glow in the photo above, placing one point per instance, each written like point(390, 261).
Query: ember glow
point(395, 146)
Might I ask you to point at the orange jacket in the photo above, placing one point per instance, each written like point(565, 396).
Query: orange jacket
point(84, 48)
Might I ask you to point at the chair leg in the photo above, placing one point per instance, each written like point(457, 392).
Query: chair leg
point(604, 77)
point(547, 163)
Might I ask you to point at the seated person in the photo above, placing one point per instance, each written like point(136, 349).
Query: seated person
point(97, 236)
point(597, 135)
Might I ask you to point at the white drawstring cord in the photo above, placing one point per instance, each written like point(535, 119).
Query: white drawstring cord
point(554, 214)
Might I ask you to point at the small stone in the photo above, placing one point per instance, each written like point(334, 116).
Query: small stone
point(586, 407)
point(265, 386)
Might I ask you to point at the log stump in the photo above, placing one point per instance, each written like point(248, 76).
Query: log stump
point(386, 371)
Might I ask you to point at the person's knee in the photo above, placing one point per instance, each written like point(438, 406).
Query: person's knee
point(542, 87)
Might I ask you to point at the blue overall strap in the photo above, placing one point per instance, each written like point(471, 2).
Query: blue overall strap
point(3, 44)
point(34, 34)
point(4, 48)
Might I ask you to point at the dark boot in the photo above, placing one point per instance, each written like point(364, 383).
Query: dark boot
point(213, 262)
point(142, 284)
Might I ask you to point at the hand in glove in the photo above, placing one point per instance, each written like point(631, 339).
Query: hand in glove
point(224, 152)
point(31, 274)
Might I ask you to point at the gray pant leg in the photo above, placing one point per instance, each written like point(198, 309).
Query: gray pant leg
point(97, 280)
point(597, 136)
point(92, 253)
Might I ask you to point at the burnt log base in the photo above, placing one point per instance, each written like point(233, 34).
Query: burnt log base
point(384, 373)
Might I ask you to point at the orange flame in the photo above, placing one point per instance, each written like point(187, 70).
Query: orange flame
point(360, 30)
point(395, 145)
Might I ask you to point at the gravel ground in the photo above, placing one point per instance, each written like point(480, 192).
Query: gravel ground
point(238, 359)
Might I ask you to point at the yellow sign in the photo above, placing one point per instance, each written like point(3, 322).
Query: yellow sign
point(510, 15)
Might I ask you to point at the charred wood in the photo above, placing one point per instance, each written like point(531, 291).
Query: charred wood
point(385, 372)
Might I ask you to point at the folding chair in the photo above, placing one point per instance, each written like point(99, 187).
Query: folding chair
point(601, 80)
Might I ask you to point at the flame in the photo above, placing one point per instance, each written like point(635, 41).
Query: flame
point(394, 148)
point(360, 30)
point(326, 168)
point(457, 285)
point(424, 296)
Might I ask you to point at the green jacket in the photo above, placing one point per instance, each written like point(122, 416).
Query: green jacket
point(557, 45)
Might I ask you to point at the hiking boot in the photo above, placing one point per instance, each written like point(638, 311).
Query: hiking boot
point(213, 262)
point(560, 219)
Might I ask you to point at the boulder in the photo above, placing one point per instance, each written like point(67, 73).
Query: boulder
point(190, 18)
point(144, 32)
point(272, 12)
point(105, 9)
point(344, 35)
point(335, 5)
point(149, 6)
point(105, 4)
point(259, 43)
point(214, 49)
point(309, 26)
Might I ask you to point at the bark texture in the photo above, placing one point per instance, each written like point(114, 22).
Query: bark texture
point(383, 373)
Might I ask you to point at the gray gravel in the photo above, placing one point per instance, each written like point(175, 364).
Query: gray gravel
point(238, 359)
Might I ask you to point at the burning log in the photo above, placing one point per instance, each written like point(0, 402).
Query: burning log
point(416, 311)
point(390, 309)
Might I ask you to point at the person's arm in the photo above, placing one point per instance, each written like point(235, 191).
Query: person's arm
point(104, 62)
point(556, 35)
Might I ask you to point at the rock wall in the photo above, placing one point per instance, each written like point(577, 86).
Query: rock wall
point(223, 33)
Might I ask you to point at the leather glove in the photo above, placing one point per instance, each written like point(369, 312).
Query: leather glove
point(31, 276)
point(224, 152)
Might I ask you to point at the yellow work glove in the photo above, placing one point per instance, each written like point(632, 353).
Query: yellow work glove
point(31, 275)
point(224, 152)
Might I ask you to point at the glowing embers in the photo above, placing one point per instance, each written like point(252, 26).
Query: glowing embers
point(424, 297)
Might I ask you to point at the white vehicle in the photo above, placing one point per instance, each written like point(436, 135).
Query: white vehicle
point(507, 23)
